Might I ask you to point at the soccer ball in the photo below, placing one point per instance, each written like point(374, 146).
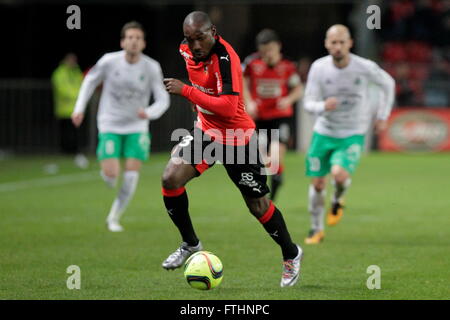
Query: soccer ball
point(203, 270)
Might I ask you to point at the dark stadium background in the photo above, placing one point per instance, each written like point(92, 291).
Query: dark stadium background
point(35, 39)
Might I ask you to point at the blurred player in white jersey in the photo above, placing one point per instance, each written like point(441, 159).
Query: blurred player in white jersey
point(337, 92)
point(129, 79)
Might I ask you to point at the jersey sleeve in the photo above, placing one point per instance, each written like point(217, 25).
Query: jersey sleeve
point(387, 85)
point(93, 78)
point(225, 105)
point(246, 70)
point(230, 72)
point(314, 100)
point(161, 97)
point(246, 65)
point(293, 77)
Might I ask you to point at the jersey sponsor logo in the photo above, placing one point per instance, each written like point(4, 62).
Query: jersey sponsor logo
point(269, 88)
point(247, 179)
point(203, 89)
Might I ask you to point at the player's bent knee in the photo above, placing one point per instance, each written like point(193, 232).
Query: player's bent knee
point(257, 206)
point(340, 175)
point(174, 177)
point(170, 181)
point(319, 184)
point(110, 173)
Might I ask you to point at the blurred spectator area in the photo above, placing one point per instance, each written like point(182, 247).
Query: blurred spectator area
point(28, 124)
point(415, 50)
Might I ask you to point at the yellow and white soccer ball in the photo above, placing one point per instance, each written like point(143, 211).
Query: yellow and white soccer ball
point(203, 270)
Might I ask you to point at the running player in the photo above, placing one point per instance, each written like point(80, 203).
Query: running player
point(129, 79)
point(216, 77)
point(271, 87)
point(336, 91)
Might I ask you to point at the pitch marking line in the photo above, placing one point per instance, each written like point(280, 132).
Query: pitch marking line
point(50, 181)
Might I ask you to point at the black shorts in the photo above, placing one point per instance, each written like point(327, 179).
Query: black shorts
point(242, 163)
point(284, 126)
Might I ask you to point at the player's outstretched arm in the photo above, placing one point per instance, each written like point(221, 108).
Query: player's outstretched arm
point(313, 101)
point(223, 106)
point(387, 86)
point(250, 104)
point(90, 83)
point(162, 98)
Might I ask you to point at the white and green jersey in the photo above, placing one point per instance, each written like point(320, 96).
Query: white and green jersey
point(350, 85)
point(126, 88)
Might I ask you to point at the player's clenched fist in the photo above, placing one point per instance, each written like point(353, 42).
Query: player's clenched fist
point(173, 86)
point(331, 103)
point(77, 118)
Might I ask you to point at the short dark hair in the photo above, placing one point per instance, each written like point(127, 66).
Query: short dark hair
point(265, 36)
point(198, 18)
point(131, 25)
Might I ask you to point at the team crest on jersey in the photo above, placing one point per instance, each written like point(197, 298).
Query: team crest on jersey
point(206, 66)
point(280, 69)
point(259, 69)
point(185, 55)
point(357, 81)
point(142, 77)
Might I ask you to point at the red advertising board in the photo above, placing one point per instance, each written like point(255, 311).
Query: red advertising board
point(417, 129)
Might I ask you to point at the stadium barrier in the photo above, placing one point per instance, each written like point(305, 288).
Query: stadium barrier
point(417, 130)
point(28, 124)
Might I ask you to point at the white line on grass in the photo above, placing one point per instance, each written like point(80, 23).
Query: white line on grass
point(50, 181)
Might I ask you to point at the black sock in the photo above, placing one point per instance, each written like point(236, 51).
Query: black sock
point(276, 228)
point(177, 207)
point(276, 182)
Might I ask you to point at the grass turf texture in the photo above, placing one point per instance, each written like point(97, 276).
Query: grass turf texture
point(397, 217)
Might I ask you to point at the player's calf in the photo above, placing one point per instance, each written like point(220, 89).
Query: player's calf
point(110, 180)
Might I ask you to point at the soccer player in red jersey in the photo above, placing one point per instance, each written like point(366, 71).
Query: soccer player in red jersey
point(216, 91)
point(271, 87)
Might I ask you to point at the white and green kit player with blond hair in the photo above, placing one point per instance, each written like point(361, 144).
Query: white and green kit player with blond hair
point(337, 93)
point(129, 79)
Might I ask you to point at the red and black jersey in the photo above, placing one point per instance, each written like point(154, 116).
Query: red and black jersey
point(270, 83)
point(217, 92)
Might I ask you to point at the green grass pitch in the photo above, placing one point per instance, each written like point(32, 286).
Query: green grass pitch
point(397, 217)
